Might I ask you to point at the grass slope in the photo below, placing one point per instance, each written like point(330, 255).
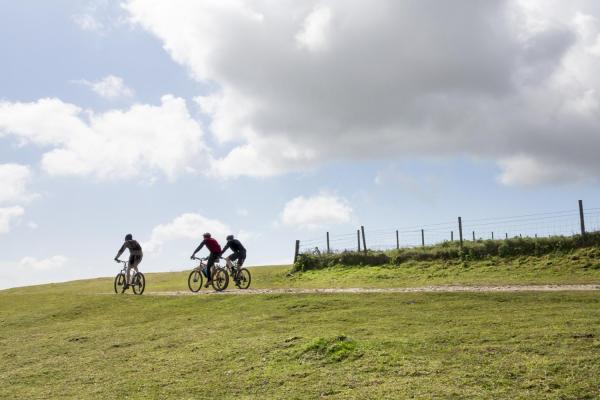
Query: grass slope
point(70, 341)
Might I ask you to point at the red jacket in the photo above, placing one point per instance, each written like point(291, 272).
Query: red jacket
point(211, 244)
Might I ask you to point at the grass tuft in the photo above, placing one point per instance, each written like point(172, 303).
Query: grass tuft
point(332, 349)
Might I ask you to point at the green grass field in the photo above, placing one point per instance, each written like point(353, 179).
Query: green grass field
point(75, 340)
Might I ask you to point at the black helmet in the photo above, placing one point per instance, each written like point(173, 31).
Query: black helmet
point(206, 235)
point(129, 236)
point(229, 237)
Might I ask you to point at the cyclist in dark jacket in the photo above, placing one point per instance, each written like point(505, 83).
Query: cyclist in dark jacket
point(135, 254)
point(215, 253)
point(238, 249)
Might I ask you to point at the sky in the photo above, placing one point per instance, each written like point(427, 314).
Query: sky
point(278, 121)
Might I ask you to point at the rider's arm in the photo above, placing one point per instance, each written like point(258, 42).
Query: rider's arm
point(225, 248)
point(198, 248)
point(121, 250)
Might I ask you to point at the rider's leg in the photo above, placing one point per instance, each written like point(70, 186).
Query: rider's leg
point(241, 259)
point(209, 263)
point(134, 261)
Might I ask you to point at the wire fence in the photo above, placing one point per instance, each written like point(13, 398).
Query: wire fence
point(557, 223)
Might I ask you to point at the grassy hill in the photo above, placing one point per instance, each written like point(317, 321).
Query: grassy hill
point(76, 340)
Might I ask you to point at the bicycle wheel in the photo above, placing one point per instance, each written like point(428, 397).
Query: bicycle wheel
point(195, 281)
point(119, 284)
point(220, 279)
point(139, 283)
point(243, 279)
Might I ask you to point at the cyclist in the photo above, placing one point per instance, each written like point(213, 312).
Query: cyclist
point(215, 253)
point(135, 255)
point(238, 249)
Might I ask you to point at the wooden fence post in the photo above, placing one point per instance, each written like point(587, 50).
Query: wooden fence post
point(460, 235)
point(452, 236)
point(581, 218)
point(397, 241)
point(296, 251)
point(473, 235)
point(492, 235)
point(362, 229)
point(358, 239)
point(422, 238)
point(328, 250)
point(506, 235)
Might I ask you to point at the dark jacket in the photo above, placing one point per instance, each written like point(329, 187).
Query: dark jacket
point(235, 246)
point(134, 248)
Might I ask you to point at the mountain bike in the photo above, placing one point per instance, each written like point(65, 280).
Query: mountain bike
point(241, 276)
point(220, 277)
point(137, 283)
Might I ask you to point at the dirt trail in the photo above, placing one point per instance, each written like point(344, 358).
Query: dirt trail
point(423, 289)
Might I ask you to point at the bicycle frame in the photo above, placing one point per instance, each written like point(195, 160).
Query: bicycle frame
point(203, 263)
point(124, 270)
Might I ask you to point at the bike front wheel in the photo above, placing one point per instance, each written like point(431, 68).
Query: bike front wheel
point(139, 283)
point(220, 280)
point(119, 284)
point(195, 281)
point(243, 279)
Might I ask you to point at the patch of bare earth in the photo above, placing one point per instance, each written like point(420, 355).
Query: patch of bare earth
point(425, 289)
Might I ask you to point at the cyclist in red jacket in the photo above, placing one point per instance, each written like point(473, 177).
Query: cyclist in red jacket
point(215, 253)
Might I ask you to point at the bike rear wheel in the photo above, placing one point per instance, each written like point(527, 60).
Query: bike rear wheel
point(220, 279)
point(243, 278)
point(195, 281)
point(119, 284)
point(139, 283)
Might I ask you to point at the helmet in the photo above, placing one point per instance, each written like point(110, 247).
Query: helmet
point(229, 237)
point(206, 235)
point(129, 236)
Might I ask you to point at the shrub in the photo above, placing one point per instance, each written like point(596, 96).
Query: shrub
point(477, 250)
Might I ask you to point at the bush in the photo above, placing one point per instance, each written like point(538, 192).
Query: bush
point(477, 250)
point(306, 262)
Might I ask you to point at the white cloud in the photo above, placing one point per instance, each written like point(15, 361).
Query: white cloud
point(316, 211)
point(110, 87)
point(397, 79)
point(47, 264)
point(315, 30)
point(188, 226)
point(8, 216)
point(14, 179)
point(525, 171)
point(99, 16)
point(32, 225)
point(88, 22)
point(141, 141)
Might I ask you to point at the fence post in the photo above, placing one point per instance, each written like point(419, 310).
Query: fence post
point(460, 231)
point(358, 239)
point(492, 235)
point(581, 218)
point(362, 229)
point(506, 235)
point(296, 251)
point(473, 235)
point(452, 236)
point(397, 241)
point(328, 251)
point(422, 238)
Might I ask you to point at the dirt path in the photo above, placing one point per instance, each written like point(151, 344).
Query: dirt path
point(424, 289)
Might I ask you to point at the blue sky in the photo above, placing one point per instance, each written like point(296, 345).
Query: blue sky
point(281, 122)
